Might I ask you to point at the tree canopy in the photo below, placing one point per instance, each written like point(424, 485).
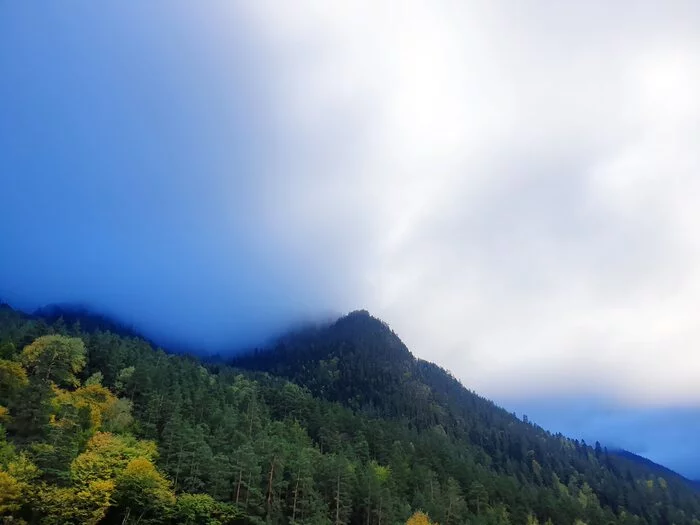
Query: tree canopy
point(337, 425)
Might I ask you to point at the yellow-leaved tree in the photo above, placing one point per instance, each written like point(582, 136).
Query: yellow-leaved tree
point(419, 518)
point(112, 468)
point(55, 358)
point(10, 493)
point(143, 491)
point(87, 505)
point(13, 378)
point(96, 399)
point(107, 455)
point(16, 483)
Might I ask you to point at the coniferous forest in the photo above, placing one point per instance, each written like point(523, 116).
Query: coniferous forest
point(337, 424)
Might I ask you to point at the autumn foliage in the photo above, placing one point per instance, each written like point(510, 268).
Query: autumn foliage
point(419, 518)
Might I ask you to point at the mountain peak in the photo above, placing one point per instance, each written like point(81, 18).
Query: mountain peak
point(369, 334)
point(359, 313)
point(342, 360)
point(360, 317)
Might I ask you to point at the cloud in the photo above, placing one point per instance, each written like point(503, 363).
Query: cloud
point(513, 188)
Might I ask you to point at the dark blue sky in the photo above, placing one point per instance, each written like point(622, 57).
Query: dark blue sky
point(517, 199)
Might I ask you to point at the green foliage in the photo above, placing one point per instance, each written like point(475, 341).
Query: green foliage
point(197, 509)
point(117, 416)
point(339, 425)
point(55, 358)
point(192, 509)
point(143, 491)
point(95, 379)
point(13, 378)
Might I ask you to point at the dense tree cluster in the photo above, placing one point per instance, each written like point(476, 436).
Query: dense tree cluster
point(338, 425)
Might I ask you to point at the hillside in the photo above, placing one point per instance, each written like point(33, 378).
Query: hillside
point(360, 362)
point(339, 424)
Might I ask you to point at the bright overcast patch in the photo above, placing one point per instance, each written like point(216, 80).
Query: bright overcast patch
point(514, 187)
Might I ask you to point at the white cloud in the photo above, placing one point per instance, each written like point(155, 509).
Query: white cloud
point(514, 187)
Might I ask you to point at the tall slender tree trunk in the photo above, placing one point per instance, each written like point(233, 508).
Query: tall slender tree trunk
point(194, 465)
point(140, 517)
point(238, 485)
point(369, 499)
point(337, 500)
point(247, 493)
point(296, 493)
point(269, 485)
point(177, 469)
point(251, 406)
point(150, 412)
point(53, 360)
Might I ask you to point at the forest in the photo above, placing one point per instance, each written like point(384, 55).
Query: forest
point(337, 424)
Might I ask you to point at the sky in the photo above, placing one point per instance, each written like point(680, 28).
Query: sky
point(512, 186)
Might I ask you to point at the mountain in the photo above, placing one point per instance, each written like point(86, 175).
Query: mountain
point(338, 424)
point(357, 360)
point(649, 466)
point(88, 319)
point(360, 362)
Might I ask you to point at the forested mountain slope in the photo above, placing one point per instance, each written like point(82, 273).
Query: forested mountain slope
point(97, 427)
point(360, 362)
